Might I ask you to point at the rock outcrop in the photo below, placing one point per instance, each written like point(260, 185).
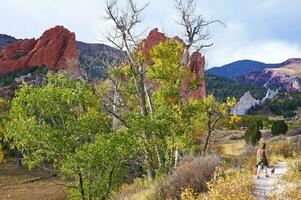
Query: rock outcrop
point(93, 55)
point(246, 102)
point(55, 49)
point(197, 67)
point(196, 63)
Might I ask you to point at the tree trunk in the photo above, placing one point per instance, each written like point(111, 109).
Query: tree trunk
point(160, 158)
point(18, 158)
point(176, 156)
point(115, 107)
point(206, 143)
point(81, 186)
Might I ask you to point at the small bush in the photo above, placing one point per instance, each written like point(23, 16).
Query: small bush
point(253, 134)
point(237, 185)
point(189, 194)
point(192, 173)
point(283, 149)
point(279, 127)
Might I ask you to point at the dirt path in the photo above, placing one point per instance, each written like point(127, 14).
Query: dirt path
point(12, 186)
point(265, 186)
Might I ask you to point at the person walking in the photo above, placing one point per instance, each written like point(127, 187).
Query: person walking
point(262, 160)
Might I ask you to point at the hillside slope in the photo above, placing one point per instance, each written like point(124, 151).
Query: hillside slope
point(286, 76)
point(222, 88)
point(240, 68)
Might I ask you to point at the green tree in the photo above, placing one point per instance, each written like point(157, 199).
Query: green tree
point(213, 112)
point(252, 134)
point(4, 108)
point(279, 127)
point(61, 123)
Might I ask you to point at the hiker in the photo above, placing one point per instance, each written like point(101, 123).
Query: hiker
point(262, 159)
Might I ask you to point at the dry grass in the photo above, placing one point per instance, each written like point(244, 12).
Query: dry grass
point(291, 70)
point(12, 186)
point(141, 189)
point(235, 185)
point(291, 181)
point(233, 148)
point(282, 150)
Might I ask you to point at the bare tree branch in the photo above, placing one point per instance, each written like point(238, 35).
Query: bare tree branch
point(196, 28)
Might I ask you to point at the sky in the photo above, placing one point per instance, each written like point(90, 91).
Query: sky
point(263, 30)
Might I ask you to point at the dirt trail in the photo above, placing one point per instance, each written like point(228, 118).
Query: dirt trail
point(265, 186)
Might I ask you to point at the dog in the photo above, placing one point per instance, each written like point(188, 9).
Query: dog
point(273, 171)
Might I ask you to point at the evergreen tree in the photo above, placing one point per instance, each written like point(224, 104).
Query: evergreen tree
point(279, 127)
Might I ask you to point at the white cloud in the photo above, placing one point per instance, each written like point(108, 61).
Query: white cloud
point(264, 30)
point(268, 51)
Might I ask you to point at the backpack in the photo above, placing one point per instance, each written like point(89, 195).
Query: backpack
point(262, 158)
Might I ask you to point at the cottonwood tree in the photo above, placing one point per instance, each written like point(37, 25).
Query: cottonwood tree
point(61, 123)
point(131, 97)
point(123, 36)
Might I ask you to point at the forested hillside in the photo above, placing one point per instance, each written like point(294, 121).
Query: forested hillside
point(222, 88)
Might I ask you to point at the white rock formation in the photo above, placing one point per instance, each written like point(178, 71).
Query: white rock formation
point(271, 94)
point(246, 102)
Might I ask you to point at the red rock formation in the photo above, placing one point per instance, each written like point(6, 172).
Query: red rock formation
point(196, 62)
point(56, 49)
point(154, 37)
point(197, 69)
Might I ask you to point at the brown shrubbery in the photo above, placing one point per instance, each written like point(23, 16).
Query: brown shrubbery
point(283, 149)
point(192, 173)
point(234, 185)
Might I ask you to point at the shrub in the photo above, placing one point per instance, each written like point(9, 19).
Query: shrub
point(283, 149)
point(236, 185)
point(253, 134)
point(279, 127)
point(189, 194)
point(192, 173)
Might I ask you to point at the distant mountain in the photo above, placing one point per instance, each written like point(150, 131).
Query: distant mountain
point(6, 40)
point(287, 76)
point(240, 68)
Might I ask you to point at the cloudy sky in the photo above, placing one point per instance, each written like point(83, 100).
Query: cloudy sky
point(263, 30)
